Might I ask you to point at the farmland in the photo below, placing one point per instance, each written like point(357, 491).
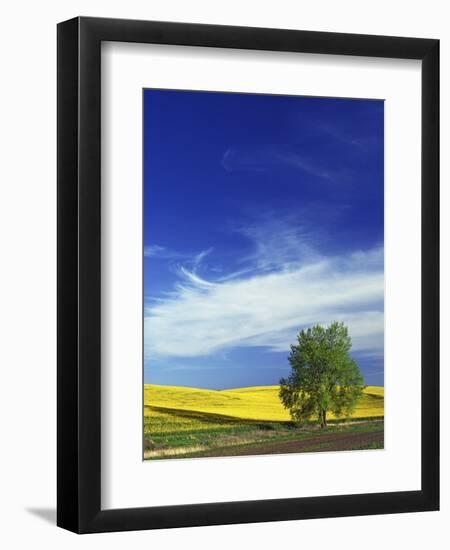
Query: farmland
point(191, 422)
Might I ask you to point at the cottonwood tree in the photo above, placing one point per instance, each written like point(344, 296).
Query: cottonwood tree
point(324, 377)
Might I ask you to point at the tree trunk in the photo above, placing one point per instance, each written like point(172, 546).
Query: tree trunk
point(323, 419)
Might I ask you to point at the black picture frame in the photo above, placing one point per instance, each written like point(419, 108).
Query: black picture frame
point(79, 276)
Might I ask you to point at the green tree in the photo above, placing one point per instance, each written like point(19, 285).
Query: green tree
point(324, 377)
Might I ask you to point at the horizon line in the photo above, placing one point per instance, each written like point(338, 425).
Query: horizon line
point(234, 388)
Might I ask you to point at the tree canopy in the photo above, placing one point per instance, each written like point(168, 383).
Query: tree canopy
point(324, 377)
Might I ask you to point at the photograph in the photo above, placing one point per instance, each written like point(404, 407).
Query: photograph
point(263, 293)
point(228, 230)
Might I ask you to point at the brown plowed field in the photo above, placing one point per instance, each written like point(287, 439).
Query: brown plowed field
point(325, 442)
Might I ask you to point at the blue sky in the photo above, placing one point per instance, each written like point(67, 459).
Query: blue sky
point(263, 215)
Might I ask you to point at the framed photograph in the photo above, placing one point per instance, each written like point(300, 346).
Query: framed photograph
point(248, 275)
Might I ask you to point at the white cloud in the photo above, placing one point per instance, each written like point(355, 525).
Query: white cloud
point(164, 253)
point(201, 317)
point(154, 250)
point(278, 243)
point(193, 278)
point(269, 157)
point(198, 259)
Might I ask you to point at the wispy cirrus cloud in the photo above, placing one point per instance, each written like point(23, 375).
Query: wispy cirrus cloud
point(198, 258)
point(248, 159)
point(194, 260)
point(284, 285)
point(163, 253)
point(265, 158)
point(278, 243)
point(270, 157)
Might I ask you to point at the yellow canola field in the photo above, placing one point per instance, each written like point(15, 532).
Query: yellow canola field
point(190, 408)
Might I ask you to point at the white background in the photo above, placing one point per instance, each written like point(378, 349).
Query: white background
point(28, 270)
point(127, 481)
